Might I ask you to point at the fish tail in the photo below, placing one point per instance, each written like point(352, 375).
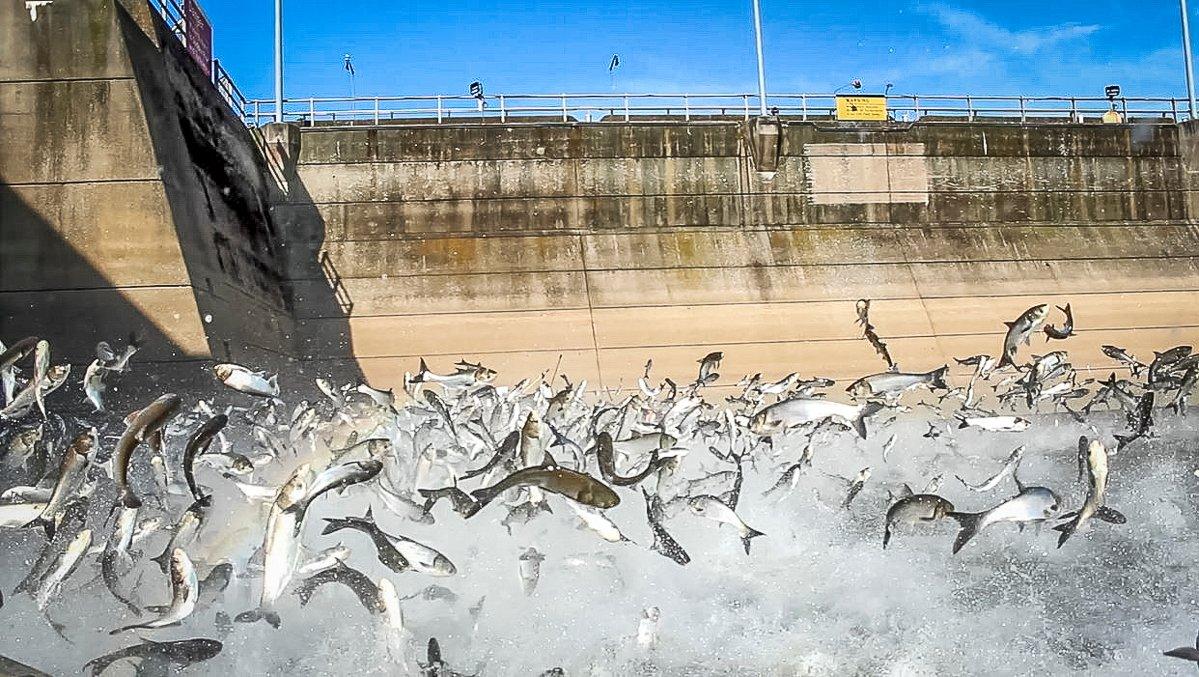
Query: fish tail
point(969, 522)
point(419, 376)
point(334, 524)
point(937, 378)
point(1067, 530)
point(46, 523)
point(750, 534)
point(1123, 440)
point(869, 409)
point(163, 560)
point(254, 615)
point(886, 536)
point(130, 499)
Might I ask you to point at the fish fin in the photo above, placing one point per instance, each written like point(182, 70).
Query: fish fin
point(1009, 324)
point(46, 523)
point(126, 628)
point(961, 424)
point(886, 536)
point(969, 522)
point(1110, 515)
point(419, 376)
point(938, 378)
point(333, 524)
point(164, 559)
point(753, 533)
point(1123, 440)
point(1186, 653)
point(868, 409)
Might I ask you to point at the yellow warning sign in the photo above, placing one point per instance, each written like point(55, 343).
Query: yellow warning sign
point(1112, 118)
point(862, 108)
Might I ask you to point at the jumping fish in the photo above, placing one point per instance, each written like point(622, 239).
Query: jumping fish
point(1021, 331)
point(142, 425)
point(185, 590)
point(70, 473)
point(915, 509)
point(1094, 505)
point(247, 381)
point(574, 485)
point(197, 444)
point(797, 411)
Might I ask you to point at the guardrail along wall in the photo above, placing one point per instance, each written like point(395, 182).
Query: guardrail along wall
point(609, 244)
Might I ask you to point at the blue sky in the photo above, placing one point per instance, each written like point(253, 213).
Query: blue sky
point(408, 47)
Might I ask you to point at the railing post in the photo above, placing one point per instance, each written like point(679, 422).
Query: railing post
point(916, 106)
point(439, 110)
point(311, 112)
point(1023, 116)
point(686, 109)
point(376, 110)
point(256, 123)
point(503, 109)
point(745, 104)
point(565, 117)
point(803, 102)
point(626, 107)
point(969, 109)
point(1073, 110)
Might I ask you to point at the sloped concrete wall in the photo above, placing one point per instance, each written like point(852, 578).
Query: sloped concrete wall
point(88, 250)
point(609, 243)
point(132, 199)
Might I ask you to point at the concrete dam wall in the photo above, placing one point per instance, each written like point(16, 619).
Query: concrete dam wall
point(613, 243)
point(133, 199)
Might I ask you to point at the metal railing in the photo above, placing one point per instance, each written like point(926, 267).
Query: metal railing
point(571, 108)
point(172, 14)
point(228, 89)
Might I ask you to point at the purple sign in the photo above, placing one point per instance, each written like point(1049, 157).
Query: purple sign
point(199, 35)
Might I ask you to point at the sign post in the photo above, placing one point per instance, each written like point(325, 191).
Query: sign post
point(198, 32)
point(868, 108)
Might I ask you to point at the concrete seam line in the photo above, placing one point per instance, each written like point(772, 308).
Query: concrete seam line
point(780, 302)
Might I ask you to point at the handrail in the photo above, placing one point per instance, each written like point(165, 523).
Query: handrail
point(592, 107)
point(172, 14)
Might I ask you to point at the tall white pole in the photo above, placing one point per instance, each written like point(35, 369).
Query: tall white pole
point(761, 65)
point(278, 60)
point(1186, 55)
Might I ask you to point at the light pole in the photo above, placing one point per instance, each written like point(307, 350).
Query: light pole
point(278, 60)
point(1186, 55)
point(761, 65)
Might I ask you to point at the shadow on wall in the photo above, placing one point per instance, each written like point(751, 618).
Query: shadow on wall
point(49, 289)
point(221, 189)
point(321, 303)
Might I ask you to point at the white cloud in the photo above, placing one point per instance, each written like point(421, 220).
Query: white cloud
point(974, 28)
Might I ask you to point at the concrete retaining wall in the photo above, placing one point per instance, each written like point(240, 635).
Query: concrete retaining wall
point(131, 198)
point(612, 243)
